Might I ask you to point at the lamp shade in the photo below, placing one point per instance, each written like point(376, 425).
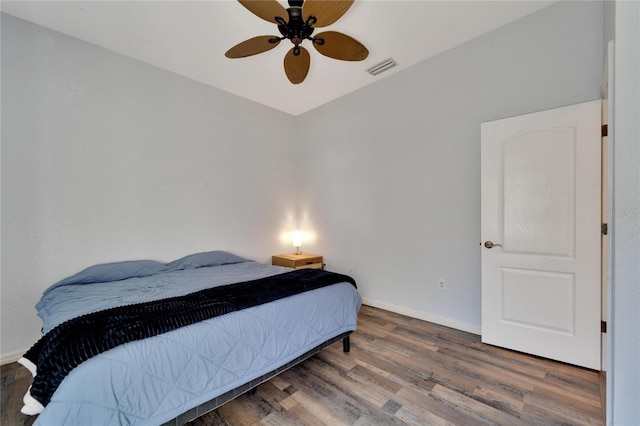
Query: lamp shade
point(297, 238)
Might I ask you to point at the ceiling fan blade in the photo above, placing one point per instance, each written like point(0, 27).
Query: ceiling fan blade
point(252, 46)
point(341, 46)
point(326, 11)
point(297, 67)
point(266, 9)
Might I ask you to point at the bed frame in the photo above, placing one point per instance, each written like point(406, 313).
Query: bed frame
point(211, 405)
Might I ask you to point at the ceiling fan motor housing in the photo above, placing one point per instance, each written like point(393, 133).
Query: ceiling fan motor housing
point(296, 30)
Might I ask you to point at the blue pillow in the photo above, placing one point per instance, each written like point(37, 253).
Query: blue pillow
point(201, 260)
point(116, 271)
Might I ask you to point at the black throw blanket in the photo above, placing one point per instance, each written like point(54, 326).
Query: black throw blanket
point(78, 339)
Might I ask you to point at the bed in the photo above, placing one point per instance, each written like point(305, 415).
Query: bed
point(202, 330)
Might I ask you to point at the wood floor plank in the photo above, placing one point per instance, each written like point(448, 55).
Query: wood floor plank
point(15, 382)
point(374, 379)
point(538, 409)
point(232, 415)
point(586, 390)
point(281, 417)
point(400, 371)
point(476, 408)
point(578, 397)
point(279, 382)
point(492, 374)
point(323, 409)
point(366, 399)
point(210, 419)
point(559, 401)
point(337, 357)
point(305, 416)
point(419, 404)
point(410, 341)
point(353, 385)
point(485, 355)
point(368, 359)
point(374, 331)
point(503, 401)
point(417, 416)
point(321, 399)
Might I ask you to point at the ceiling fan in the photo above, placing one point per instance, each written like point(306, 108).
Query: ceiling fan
point(303, 18)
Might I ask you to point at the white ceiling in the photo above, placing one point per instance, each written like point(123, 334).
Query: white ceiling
point(190, 37)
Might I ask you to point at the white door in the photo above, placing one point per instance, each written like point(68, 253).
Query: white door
point(541, 183)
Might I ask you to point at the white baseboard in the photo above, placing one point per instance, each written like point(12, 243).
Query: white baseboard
point(422, 316)
point(11, 357)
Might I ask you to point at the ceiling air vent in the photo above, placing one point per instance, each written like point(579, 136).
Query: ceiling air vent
point(382, 66)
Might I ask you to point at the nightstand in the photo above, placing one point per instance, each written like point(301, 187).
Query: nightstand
point(298, 261)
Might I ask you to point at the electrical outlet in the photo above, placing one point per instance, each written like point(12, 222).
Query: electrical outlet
point(441, 282)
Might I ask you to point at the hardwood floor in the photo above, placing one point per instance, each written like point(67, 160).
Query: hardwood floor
point(15, 382)
point(400, 371)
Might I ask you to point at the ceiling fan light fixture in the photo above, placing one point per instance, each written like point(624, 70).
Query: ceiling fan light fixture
point(383, 66)
point(304, 17)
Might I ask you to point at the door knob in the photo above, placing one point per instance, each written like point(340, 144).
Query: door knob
point(490, 244)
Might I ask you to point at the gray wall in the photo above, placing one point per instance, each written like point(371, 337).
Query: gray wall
point(624, 371)
point(105, 158)
point(609, 25)
point(392, 187)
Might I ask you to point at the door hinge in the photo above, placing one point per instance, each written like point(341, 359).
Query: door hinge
point(603, 326)
point(605, 229)
point(604, 130)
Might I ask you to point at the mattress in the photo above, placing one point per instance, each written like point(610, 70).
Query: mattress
point(154, 380)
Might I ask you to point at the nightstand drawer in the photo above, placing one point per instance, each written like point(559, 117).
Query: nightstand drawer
point(315, 265)
point(298, 261)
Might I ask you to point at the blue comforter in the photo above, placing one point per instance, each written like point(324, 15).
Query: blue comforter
point(154, 380)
